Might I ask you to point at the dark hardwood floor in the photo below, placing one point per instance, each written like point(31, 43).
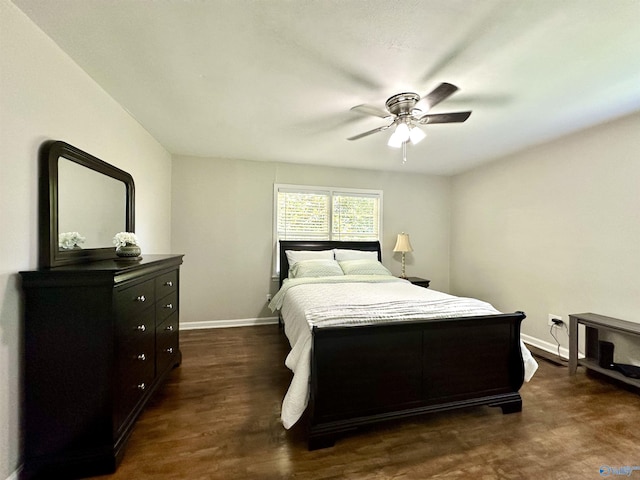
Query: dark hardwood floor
point(218, 418)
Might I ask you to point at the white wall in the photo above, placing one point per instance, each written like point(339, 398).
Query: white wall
point(555, 229)
point(44, 95)
point(222, 220)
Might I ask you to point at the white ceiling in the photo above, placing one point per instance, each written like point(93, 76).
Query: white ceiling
point(274, 79)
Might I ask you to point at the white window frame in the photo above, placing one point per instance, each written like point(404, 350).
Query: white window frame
point(331, 192)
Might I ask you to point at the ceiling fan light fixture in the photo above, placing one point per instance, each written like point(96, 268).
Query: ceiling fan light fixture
point(395, 140)
point(416, 135)
point(399, 136)
point(402, 130)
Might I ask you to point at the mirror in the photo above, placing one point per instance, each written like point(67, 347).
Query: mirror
point(84, 202)
point(103, 198)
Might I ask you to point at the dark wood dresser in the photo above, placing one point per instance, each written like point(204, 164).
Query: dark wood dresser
point(100, 338)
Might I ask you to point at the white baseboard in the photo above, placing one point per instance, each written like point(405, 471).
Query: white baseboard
point(240, 322)
point(544, 345)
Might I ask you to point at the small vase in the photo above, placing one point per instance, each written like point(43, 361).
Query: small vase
point(128, 251)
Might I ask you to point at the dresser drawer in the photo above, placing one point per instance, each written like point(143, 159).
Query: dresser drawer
point(136, 356)
point(132, 300)
point(136, 327)
point(166, 306)
point(167, 343)
point(136, 360)
point(131, 391)
point(136, 373)
point(166, 283)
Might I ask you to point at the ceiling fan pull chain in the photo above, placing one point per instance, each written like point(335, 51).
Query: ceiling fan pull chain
point(404, 152)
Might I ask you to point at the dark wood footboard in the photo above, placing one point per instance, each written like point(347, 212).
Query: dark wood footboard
point(367, 374)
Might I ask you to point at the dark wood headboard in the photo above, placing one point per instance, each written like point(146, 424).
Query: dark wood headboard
point(321, 245)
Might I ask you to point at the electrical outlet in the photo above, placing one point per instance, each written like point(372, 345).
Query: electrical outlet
point(551, 317)
point(268, 297)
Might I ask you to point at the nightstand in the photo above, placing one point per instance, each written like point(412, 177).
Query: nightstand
point(421, 282)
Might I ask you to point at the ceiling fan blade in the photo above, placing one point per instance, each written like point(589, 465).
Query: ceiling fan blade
point(454, 117)
point(371, 110)
point(442, 91)
point(370, 132)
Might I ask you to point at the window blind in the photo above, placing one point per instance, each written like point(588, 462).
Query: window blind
point(355, 217)
point(326, 213)
point(303, 215)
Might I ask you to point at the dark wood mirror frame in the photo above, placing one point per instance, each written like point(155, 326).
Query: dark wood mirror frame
point(49, 253)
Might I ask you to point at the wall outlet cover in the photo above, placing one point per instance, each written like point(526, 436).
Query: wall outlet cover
point(551, 317)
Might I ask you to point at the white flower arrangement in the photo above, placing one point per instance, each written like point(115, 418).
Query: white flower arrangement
point(69, 240)
point(125, 238)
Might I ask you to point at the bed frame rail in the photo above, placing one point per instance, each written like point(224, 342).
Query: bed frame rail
point(372, 373)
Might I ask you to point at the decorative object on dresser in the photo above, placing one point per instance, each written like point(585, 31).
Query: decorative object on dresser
point(127, 246)
point(403, 245)
point(100, 336)
point(68, 240)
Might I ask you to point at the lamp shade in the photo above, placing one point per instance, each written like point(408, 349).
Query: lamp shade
point(403, 244)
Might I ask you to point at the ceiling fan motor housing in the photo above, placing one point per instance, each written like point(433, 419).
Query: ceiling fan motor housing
point(402, 103)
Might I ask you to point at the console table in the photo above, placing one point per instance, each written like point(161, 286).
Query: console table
point(594, 323)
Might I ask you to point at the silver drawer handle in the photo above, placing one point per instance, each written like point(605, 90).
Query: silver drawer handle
point(168, 284)
point(142, 357)
point(142, 328)
point(141, 386)
point(169, 328)
point(141, 298)
point(168, 305)
point(169, 350)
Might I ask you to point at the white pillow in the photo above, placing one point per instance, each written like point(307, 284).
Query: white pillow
point(295, 256)
point(354, 254)
point(315, 268)
point(363, 266)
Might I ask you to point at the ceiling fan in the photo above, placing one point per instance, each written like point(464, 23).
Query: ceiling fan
point(407, 111)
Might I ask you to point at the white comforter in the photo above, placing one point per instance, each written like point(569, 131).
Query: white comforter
point(303, 303)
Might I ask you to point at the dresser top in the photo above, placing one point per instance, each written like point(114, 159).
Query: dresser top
point(114, 271)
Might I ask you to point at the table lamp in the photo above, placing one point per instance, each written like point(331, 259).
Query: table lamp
point(403, 246)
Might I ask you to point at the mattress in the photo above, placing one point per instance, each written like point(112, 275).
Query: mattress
point(308, 302)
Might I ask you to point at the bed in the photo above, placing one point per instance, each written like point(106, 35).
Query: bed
point(364, 352)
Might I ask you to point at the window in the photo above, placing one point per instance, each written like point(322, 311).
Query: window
point(303, 215)
point(355, 216)
point(326, 213)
